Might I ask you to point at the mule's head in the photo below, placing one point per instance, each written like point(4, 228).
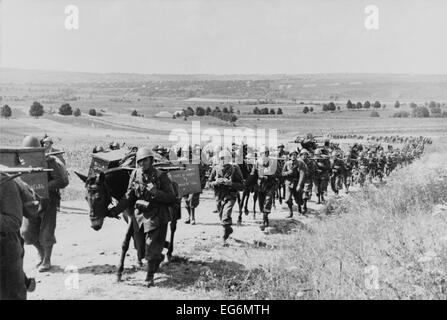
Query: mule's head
point(98, 198)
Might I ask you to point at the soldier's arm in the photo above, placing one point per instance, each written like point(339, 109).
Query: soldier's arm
point(166, 192)
point(302, 170)
point(56, 182)
point(212, 177)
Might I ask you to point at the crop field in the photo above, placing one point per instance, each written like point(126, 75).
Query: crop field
point(321, 256)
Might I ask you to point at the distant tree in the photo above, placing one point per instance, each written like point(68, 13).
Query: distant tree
point(190, 111)
point(305, 110)
point(225, 110)
point(231, 109)
point(420, 112)
point(272, 111)
point(65, 109)
point(367, 104)
point(432, 104)
point(208, 111)
point(311, 109)
point(325, 107)
point(134, 113)
point(36, 109)
point(6, 111)
point(279, 111)
point(377, 105)
point(359, 105)
point(435, 112)
point(256, 110)
point(92, 112)
point(233, 118)
point(200, 111)
point(265, 111)
point(77, 112)
point(338, 108)
point(401, 114)
point(374, 114)
point(332, 106)
point(349, 104)
point(396, 104)
point(413, 105)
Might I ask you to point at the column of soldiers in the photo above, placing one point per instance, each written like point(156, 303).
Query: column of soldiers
point(27, 219)
point(290, 175)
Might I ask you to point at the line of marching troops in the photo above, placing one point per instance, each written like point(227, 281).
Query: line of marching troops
point(289, 176)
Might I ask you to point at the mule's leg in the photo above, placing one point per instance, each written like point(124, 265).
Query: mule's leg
point(173, 226)
point(255, 198)
point(124, 249)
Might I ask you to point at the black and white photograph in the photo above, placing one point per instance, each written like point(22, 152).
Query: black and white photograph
point(235, 151)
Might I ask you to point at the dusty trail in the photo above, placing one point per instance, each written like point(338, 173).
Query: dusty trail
point(198, 251)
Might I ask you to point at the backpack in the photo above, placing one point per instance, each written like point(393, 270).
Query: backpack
point(63, 172)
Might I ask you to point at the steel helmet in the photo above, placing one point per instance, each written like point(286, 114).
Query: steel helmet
point(48, 139)
point(144, 153)
point(304, 151)
point(31, 142)
point(334, 153)
point(281, 145)
point(317, 152)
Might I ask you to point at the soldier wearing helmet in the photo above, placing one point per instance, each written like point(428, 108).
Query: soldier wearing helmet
point(338, 172)
point(47, 143)
point(267, 182)
point(40, 231)
point(321, 175)
point(226, 179)
point(293, 172)
point(150, 194)
point(311, 167)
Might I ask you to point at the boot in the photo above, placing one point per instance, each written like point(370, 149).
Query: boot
point(318, 199)
point(290, 211)
point(151, 266)
point(299, 209)
point(41, 254)
point(46, 263)
point(322, 199)
point(159, 261)
point(193, 216)
point(304, 206)
point(30, 284)
point(227, 231)
point(188, 221)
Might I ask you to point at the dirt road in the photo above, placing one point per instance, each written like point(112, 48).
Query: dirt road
point(84, 260)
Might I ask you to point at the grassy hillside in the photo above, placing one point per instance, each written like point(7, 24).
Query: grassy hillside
point(380, 243)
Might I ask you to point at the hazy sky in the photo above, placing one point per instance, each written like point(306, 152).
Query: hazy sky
point(225, 36)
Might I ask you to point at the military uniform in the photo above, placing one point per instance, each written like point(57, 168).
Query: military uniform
point(338, 171)
point(16, 201)
point(227, 193)
point(321, 177)
point(40, 231)
point(294, 172)
point(267, 184)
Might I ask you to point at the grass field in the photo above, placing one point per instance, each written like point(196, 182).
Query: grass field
point(393, 236)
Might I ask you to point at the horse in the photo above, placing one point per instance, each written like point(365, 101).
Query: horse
point(109, 185)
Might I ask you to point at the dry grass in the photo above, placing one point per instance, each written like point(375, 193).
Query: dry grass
point(398, 230)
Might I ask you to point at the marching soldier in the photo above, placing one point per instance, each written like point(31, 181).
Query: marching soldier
point(294, 172)
point(311, 168)
point(338, 171)
point(226, 179)
point(349, 166)
point(150, 193)
point(47, 143)
point(16, 201)
point(322, 174)
point(40, 231)
point(266, 169)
